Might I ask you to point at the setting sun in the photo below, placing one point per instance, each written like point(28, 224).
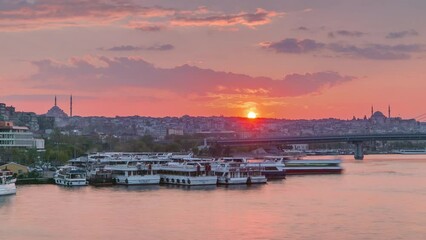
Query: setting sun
point(252, 115)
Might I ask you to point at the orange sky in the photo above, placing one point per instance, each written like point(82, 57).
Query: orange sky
point(282, 59)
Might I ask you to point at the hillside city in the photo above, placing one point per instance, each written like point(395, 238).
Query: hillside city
point(216, 126)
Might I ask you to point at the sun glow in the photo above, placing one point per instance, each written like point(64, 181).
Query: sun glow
point(252, 115)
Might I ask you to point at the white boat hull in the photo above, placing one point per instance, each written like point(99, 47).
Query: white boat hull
point(71, 182)
point(138, 180)
point(232, 181)
point(7, 189)
point(257, 180)
point(189, 181)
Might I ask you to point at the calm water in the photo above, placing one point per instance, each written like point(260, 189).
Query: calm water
point(383, 197)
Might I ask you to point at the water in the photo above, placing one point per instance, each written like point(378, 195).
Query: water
point(383, 197)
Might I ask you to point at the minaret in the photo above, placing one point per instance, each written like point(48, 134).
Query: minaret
point(389, 111)
point(372, 110)
point(71, 105)
point(55, 101)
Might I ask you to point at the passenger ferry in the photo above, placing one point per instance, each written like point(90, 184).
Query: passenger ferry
point(411, 151)
point(134, 174)
point(271, 168)
point(188, 174)
point(70, 176)
point(100, 177)
point(230, 173)
point(7, 183)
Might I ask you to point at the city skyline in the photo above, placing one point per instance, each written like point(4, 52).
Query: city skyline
point(279, 59)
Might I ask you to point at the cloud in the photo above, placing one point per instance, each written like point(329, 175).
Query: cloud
point(402, 34)
point(99, 74)
point(260, 17)
point(157, 47)
point(47, 14)
point(366, 51)
point(292, 45)
point(30, 15)
point(302, 28)
point(146, 26)
point(377, 51)
point(345, 33)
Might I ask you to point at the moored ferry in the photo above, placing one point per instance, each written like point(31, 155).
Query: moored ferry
point(70, 176)
point(7, 183)
point(230, 173)
point(411, 151)
point(294, 167)
point(271, 168)
point(100, 177)
point(134, 175)
point(188, 174)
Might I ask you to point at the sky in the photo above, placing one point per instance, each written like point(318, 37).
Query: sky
point(293, 59)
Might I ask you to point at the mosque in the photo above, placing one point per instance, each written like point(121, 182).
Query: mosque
point(57, 112)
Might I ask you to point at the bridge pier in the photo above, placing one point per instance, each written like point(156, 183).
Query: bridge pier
point(359, 151)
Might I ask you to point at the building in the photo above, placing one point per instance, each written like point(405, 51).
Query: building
point(56, 111)
point(177, 132)
point(13, 136)
point(15, 168)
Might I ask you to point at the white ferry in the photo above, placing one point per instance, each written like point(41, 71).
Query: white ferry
point(411, 151)
point(230, 173)
point(7, 183)
point(270, 168)
point(256, 174)
point(70, 176)
point(134, 174)
point(188, 174)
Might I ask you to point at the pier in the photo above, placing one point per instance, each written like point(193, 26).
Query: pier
point(356, 140)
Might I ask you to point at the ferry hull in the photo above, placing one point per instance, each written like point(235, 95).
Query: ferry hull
point(71, 183)
point(295, 171)
point(7, 189)
point(138, 180)
point(257, 180)
point(275, 175)
point(101, 182)
point(188, 181)
point(231, 181)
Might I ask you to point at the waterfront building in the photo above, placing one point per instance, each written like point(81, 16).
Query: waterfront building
point(15, 168)
point(14, 136)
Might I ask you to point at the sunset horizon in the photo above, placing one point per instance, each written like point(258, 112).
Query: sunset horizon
point(280, 59)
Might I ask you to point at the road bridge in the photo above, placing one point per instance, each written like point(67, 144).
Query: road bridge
point(357, 140)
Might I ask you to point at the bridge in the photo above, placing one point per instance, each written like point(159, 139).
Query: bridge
point(357, 140)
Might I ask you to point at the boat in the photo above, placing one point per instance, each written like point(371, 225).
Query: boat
point(271, 167)
point(138, 174)
point(7, 183)
point(411, 151)
point(70, 176)
point(256, 175)
point(101, 177)
point(322, 166)
point(231, 173)
point(188, 174)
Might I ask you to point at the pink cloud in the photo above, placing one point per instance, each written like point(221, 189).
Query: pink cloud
point(42, 14)
point(260, 17)
point(101, 73)
point(27, 15)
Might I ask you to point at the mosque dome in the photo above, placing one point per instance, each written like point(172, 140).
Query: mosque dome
point(56, 112)
point(377, 115)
